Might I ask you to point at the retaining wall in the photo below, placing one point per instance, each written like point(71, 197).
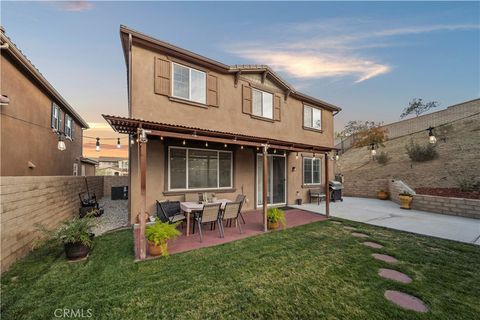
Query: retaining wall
point(114, 181)
point(469, 208)
point(364, 188)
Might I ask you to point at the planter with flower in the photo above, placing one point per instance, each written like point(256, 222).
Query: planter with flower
point(158, 235)
point(405, 200)
point(275, 217)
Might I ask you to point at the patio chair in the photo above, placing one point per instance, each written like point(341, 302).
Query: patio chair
point(169, 211)
point(210, 213)
point(232, 212)
point(316, 193)
point(191, 197)
point(241, 198)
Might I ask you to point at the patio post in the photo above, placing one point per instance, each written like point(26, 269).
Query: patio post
point(142, 162)
point(265, 185)
point(327, 188)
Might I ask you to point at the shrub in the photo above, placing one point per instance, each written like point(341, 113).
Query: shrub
point(419, 153)
point(383, 158)
point(468, 184)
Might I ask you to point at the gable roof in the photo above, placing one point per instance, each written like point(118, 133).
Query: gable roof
point(158, 45)
point(18, 56)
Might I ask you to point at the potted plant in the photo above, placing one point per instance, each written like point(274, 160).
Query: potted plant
point(157, 236)
point(275, 217)
point(382, 195)
point(74, 234)
point(405, 200)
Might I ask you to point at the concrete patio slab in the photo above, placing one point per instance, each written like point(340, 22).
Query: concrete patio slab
point(388, 214)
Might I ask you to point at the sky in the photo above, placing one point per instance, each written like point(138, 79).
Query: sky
point(369, 58)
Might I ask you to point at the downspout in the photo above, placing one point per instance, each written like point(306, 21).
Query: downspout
point(129, 89)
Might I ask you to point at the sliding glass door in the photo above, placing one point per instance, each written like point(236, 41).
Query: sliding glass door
point(276, 179)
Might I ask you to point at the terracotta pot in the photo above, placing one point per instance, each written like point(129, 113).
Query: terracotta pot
point(382, 195)
point(272, 225)
point(154, 250)
point(405, 202)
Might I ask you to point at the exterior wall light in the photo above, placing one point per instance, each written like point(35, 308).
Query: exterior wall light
point(97, 145)
point(431, 136)
point(61, 144)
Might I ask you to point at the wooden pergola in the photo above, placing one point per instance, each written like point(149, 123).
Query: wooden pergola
point(141, 129)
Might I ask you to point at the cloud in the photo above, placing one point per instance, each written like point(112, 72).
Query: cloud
point(333, 48)
point(100, 126)
point(75, 6)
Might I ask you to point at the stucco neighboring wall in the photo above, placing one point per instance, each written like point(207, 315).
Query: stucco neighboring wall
point(228, 116)
point(26, 134)
point(26, 201)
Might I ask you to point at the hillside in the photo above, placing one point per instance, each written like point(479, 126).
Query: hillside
point(458, 147)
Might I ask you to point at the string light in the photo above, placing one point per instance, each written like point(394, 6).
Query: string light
point(431, 136)
point(132, 141)
point(184, 142)
point(373, 152)
point(161, 138)
point(118, 143)
point(241, 147)
point(225, 145)
point(274, 150)
point(314, 156)
point(296, 156)
point(206, 144)
point(97, 145)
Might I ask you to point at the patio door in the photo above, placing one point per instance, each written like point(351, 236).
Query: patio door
point(276, 180)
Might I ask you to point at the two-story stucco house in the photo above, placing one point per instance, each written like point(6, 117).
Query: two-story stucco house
point(211, 127)
point(34, 119)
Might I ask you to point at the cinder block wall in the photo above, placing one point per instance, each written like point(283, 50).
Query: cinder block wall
point(27, 201)
point(417, 124)
point(364, 188)
point(114, 181)
point(469, 208)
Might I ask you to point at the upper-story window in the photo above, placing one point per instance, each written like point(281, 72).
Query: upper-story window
point(56, 119)
point(189, 84)
point(312, 117)
point(68, 127)
point(262, 104)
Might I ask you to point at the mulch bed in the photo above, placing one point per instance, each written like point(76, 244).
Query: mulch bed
point(449, 192)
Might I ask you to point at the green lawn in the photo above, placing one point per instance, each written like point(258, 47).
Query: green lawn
point(317, 271)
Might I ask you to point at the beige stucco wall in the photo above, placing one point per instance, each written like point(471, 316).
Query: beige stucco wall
point(227, 117)
point(26, 134)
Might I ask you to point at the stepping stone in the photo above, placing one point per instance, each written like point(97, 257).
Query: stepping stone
point(384, 258)
point(394, 275)
point(372, 245)
point(405, 301)
point(349, 228)
point(359, 235)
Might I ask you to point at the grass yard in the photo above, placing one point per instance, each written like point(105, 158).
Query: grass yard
point(316, 271)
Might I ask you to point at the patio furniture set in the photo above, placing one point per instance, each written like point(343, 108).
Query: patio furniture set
point(216, 212)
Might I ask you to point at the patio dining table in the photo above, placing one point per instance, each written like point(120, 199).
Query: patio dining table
point(189, 207)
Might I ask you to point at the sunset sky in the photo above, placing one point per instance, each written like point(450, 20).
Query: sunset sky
point(369, 58)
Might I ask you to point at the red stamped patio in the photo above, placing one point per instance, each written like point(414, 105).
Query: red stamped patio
point(253, 226)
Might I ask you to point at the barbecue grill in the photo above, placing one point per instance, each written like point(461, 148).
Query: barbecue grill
point(335, 190)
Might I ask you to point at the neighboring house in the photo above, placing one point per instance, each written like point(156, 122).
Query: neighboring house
point(208, 123)
point(34, 117)
point(112, 171)
point(112, 166)
point(87, 166)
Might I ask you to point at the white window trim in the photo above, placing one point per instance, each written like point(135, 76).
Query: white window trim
point(189, 83)
point(319, 172)
point(56, 109)
point(186, 167)
point(262, 93)
point(310, 126)
point(69, 136)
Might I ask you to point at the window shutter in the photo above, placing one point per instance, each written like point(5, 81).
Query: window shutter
point(276, 108)
point(246, 99)
point(162, 76)
point(212, 90)
point(52, 120)
point(72, 123)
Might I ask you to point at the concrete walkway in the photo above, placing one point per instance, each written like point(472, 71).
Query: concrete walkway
point(388, 214)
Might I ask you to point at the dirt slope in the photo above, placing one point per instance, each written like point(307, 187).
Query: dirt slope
point(459, 156)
